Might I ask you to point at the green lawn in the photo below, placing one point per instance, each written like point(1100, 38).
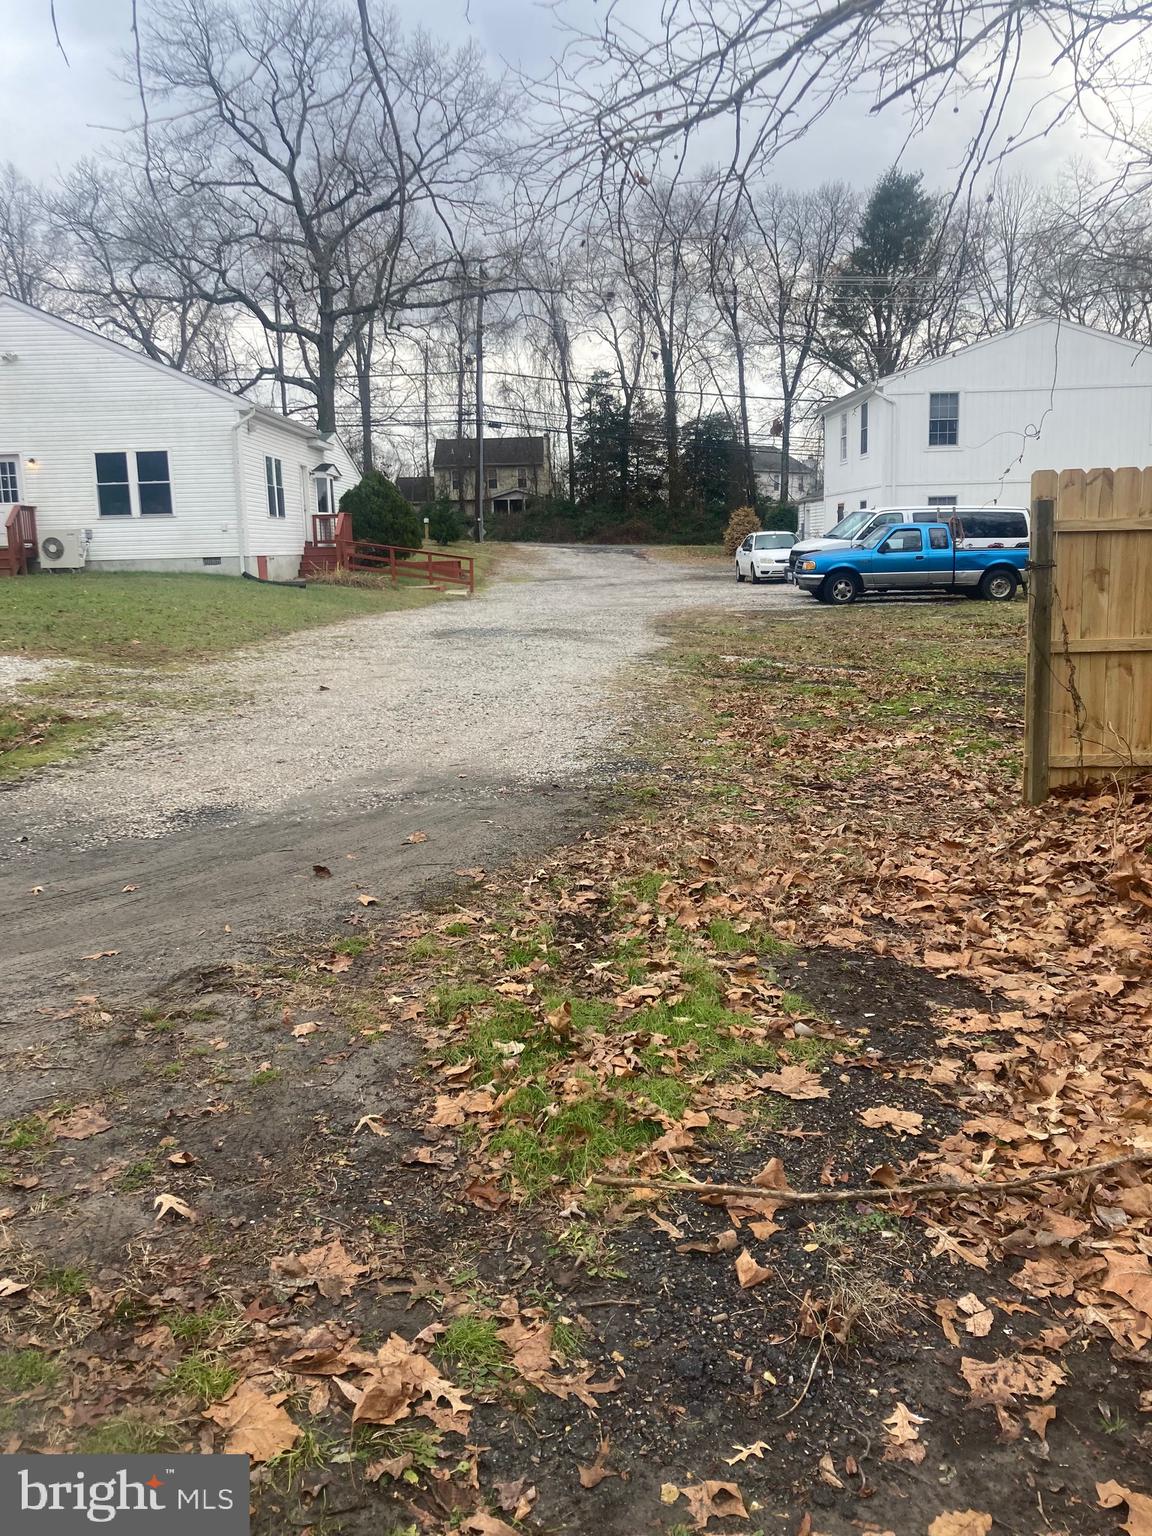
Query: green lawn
point(132, 632)
point(146, 620)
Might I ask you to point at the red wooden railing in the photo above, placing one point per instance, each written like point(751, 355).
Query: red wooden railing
point(424, 566)
point(20, 531)
point(324, 526)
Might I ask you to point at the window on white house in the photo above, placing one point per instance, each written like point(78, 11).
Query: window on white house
point(274, 483)
point(864, 428)
point(941, 501)
point(492, 480)
point(844, 437)
point(113, 491)
point(455, 481)
point(154, 484)
point(863, 506)
point(943, 420)
point(9, 487)
point(522, 479)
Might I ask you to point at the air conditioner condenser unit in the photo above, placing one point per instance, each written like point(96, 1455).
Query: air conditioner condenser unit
point(64, 551)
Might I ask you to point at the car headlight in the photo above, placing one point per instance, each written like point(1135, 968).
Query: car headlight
point(807, 565)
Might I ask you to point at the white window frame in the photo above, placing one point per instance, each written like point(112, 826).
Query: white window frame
point(274, 487)
point(14, 459)
point(864, 429)
point(843, 437)
point(132, 462)
point(955, 420)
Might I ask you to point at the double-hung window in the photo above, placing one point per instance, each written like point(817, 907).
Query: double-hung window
point(864, 429)
point(943, 420)
point(113, 487)
point(843, 437)
point(274, 484)
point(153, 484)
point(134, 484)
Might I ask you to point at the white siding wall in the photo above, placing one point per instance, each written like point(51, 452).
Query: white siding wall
point(69, 395)
point(67, 398)
point(1042, 397)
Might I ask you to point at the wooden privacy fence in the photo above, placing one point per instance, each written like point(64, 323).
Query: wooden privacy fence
point(1089, 700)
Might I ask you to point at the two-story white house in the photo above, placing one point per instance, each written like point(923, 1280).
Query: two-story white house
point(140, 467)
point(970, 428)
point(766, 464)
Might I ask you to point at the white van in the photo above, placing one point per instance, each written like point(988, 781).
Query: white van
point(972, 528)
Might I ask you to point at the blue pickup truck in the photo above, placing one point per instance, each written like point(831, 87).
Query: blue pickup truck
point(911, 557)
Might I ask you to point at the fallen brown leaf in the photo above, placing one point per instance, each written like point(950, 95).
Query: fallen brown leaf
point(961, 1522)
point(713, 1501)
point(748, 1272)
point(1112, 1494)
point(256, 1425)
point(886, 1117)
point(173, 1203)
point(330, 1268)
point(82, 1122)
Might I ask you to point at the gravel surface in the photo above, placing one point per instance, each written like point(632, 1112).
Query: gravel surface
point(399, 753)
point(15, 670)
point(514, 686)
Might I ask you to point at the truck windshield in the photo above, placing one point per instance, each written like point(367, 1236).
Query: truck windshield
point(849, 526)
point(877, 536)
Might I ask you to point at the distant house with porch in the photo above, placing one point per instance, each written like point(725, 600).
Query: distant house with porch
point(130, 465)
point(516, 470)
point(418, 490)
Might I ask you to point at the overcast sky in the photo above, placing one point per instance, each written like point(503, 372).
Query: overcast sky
point(52, 111)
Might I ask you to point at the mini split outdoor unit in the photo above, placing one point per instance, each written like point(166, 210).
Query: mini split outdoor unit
point(64, 551)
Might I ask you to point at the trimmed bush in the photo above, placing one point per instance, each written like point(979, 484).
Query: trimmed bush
point(380, 515)
point(742, 522)
point(445, 521)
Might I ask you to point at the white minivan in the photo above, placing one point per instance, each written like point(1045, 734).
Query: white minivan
point(972, 528)
point(764, 556)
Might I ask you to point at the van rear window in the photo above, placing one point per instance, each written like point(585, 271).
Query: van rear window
point(994, 525)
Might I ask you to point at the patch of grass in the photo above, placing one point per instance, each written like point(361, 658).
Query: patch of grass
point(426, 948)
point(26, 1370)
point(197, 1327)
point(148, 619)
point(205, 1377)
point(27, 1134)
point(64, 1280)
point(388, 1444)
point(449, 1001)
point(128, 1434)
point(310, 1450)
point(137, 1175)
point(471, 1348)
point(354, 946)
point(458, 930)
point(33, 736)
point(265, 1076)
point(811, 1049)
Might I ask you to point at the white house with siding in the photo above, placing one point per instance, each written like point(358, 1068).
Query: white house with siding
point(971, 427)
point(153, 469)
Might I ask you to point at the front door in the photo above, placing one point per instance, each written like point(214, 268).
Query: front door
point(9, 481)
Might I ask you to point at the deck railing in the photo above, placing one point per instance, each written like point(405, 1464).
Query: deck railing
point(423, 567)
point(20, 530)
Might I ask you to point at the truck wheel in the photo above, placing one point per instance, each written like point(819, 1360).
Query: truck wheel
point(841, 588)
point(999, 585)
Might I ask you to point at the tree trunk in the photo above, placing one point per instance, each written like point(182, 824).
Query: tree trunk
point(785, 447)
point(745, 430)
point(671, 431)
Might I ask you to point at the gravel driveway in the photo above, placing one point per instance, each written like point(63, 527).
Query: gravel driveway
point(482, 722)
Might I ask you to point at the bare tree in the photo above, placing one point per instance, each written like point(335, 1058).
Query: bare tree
point(26, 252)
point(311, 145)
point(801, 239)
point(1007, 237)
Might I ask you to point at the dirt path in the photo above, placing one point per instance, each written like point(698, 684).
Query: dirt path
point(487, 725)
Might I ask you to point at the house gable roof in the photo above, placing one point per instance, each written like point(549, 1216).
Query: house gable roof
point(876, 387)
point(460, 452)
point(238, 402)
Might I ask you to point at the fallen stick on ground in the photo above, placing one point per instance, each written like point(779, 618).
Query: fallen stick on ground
point(991, 1190)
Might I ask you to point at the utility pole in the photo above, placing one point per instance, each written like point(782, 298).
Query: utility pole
point(480, 406)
